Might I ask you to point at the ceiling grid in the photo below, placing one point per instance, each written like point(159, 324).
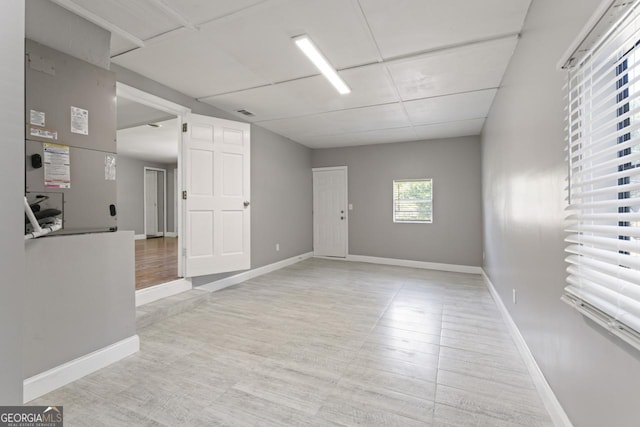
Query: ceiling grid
point(417, 69)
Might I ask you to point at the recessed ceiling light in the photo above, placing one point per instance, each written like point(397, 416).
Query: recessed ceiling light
point(306, 45)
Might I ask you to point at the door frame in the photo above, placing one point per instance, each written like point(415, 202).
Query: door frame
point(132, 94)
point(164, 199)
point(346, 204)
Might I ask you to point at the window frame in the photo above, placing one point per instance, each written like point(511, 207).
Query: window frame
point(394, 200)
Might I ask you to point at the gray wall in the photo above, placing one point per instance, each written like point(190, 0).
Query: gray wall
point(594, 375)
point(281, 198)
point(75, 301)
point(11, 193)
point(130, 173)
point(454, 237)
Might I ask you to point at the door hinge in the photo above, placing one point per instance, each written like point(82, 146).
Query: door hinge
point(184, 195)
point(184, 127)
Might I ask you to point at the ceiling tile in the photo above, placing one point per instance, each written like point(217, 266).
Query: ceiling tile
point(401, 27)
point(381, 136)
point(199, 11)
point(339, 122)
point(463, 106)
point(370, 86)
point(474, 67)
point(297, 127)
point(143, 19)
point(191, 63)
point(449, 130)
point(366, 118)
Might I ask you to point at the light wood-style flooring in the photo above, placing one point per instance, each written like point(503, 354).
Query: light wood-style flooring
point(156, 261)
point(320, 343)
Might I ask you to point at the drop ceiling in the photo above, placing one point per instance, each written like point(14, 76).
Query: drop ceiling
point(418, 69)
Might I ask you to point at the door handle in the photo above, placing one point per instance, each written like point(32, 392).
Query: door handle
point(246, 204)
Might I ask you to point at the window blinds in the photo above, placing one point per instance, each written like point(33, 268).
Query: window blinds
point(413, 200)
point(603, 125)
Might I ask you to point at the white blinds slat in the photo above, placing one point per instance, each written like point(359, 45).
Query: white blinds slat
point(612, 203)
point(611, 230)
point(604, 255)
point(616, 243)
point(611, 191)
point(610, 177)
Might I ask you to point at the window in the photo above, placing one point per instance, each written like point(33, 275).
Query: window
point(604, 176)
point(413, 200)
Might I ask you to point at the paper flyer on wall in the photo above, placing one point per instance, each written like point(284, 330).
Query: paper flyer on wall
point(110, 167)
point(79, 121)
point(57, 166)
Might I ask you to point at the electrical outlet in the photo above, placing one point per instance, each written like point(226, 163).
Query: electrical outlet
point(515, 301)
point(277, 247)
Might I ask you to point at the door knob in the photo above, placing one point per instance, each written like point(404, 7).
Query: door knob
point(246, 203)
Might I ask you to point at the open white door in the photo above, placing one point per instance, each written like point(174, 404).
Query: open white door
point(330, 225)
point(216, 155)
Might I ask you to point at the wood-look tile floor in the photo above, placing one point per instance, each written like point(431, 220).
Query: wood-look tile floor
point(320, 343)
point(156, 261)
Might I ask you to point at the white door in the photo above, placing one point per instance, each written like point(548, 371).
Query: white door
point(151, 202)
point(330, 225)
point(216, 156)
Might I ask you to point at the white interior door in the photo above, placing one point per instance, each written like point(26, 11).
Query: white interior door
point(217, 183)
point(151, 202)
point(330, 225)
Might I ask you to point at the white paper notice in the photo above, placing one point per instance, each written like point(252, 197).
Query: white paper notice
point(110, 167)
point(43, 133)
point(36, 118)
point(57, 167)
point(79, 121)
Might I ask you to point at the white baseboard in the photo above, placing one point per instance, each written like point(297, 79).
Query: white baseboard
point(416, 264)
point(250, 274)
point(556, 412)
point(59, 376)
point(140, 237)
point(170, 234)
point(154, 293)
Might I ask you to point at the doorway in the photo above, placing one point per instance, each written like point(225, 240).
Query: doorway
point(330, 221)
point(149, 165)
point(155, 202)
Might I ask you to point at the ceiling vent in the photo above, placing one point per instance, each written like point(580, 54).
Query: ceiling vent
point(246, 112)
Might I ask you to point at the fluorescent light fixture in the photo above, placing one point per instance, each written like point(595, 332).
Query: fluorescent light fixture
point(306, 45)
